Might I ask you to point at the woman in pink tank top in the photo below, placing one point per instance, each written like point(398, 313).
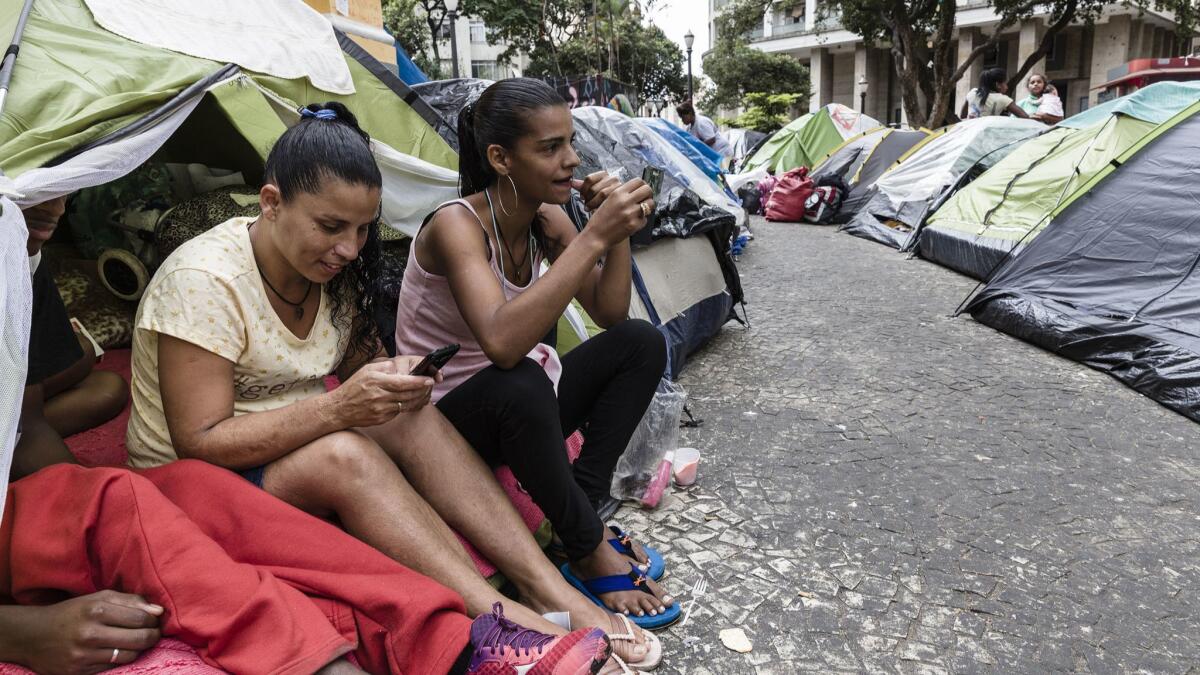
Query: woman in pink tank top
point(474, 278)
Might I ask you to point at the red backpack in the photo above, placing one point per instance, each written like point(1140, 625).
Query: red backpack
point(789, 196)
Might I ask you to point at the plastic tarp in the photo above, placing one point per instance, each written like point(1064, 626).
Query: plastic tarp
point(887, 151)
point(689, 203)
point(70, 124)
point(704, 157)
point(808, 138)
point(900, 199)
point(742, 142)
point(16, 311)
point(1010, 204)
point(1113, 282)
point(449, 97)
point(408, 71)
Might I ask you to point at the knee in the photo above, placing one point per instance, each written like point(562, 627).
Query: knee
point(109, 392)
point(526, 384)
point(646, 340)
point(349, 455)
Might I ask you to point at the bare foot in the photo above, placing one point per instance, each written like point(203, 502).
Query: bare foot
point(639, 553)
point(606, 561)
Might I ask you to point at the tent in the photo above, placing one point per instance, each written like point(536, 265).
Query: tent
point(1010, 204)
point(685, 280)
point(406, 70)
point(743, 143)
point(88, 106)
point(862, 159)
point(808, 138)
point(1113, 282)
point(704, 157)
point(900, 199)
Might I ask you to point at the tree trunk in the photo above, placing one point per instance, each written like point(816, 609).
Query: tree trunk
point(1046, 44)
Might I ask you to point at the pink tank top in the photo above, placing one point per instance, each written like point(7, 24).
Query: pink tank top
point(427, 317)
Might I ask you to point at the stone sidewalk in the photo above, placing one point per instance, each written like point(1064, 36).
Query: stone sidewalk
point(886, 488)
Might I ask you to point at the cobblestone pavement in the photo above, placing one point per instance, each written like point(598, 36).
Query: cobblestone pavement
point(886, 488)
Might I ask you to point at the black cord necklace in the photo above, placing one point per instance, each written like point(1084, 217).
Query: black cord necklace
point(297, 307)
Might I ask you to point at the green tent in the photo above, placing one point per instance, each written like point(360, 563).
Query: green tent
point(809, 138)
point(88, 106)
point(1011, 203)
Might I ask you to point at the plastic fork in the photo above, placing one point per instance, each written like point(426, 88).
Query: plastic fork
point(698, 590)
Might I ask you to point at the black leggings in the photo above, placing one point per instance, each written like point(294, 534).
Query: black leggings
point(513, 417)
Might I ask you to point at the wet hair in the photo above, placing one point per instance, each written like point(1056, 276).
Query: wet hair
point(499, 117)
point(327, 143)
point(989, 80)
point(685, 108)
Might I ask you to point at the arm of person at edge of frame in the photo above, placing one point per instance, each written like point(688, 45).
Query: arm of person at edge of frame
point(508, 329)
point(197, 395)
point(78, 636)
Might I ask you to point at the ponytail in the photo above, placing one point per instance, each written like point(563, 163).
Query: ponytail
point(988, 81)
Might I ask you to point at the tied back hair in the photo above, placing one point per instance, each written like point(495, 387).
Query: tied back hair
point(988, 81)
point(314, 150)
point(499, 117)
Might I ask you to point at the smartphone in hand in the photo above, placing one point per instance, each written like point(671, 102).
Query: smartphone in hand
point(434, 361)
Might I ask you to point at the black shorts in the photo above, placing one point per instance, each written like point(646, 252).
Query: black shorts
point(53, 346)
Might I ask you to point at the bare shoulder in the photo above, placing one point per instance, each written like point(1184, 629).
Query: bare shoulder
point(452, 231)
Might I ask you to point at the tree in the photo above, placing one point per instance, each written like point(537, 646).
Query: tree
point(766, 112)
point(408, 27)
point(920, 35)
point(737, 69)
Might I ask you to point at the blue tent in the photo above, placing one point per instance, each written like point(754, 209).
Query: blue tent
point(406, 69)
point(693, 148)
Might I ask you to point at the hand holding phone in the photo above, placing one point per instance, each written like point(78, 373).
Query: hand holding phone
point(434, 361)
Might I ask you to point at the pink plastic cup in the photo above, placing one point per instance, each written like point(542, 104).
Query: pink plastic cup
point(687, 463)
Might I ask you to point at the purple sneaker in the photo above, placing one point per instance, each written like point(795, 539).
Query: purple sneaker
point(505, 648)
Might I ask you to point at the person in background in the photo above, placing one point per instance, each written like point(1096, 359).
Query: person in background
point(63, 394)
point(991, 97)
point(703, 128)
point(1042, 103)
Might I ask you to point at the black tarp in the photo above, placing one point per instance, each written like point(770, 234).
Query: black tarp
point(885, 154)
point(448, 97)
point(1112, 282)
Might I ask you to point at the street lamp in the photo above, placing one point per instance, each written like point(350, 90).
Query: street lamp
point(452, 14)
point(688, 39)
point(862, 93)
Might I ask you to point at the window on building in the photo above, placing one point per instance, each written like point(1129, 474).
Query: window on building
point(444, 30)
point(1057, 58)
point(996, 57)
point(478, 32)
point(489, 70)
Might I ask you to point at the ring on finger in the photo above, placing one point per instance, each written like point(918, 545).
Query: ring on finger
point(400, 405)
point(646, 209)
point(116, 653)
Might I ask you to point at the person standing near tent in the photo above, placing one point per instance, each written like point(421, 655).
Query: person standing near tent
point(703, 128)
point(474, 278)
point(239, 328)
point(1042, 103)
point(991, 97)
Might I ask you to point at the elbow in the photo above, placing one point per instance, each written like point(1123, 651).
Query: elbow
point(504, 357)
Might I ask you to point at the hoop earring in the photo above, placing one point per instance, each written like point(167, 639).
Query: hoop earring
point(516, 196)
point(500, 201)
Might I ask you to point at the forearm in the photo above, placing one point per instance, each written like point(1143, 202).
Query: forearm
point(245, 441)
point(519, 324)
point(613, 288)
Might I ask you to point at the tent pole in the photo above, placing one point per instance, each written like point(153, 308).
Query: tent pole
point(10, 55)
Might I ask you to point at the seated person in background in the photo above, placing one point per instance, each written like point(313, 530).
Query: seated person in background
point(474, 278)
point(991, 97)
point(100, 563)
point(703, 128)
point(63, 395)
point(1042, 103)
point(234, 337)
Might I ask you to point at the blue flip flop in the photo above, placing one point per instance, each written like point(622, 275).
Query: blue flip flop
point(624, 545)
point(634, 581)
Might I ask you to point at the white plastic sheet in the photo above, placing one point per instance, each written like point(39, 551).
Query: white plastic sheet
point(16, 303)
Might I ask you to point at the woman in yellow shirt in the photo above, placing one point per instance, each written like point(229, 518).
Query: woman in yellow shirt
point(233, 340)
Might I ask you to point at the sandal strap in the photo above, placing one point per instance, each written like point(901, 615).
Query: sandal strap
point(623, 543)
point(628, 635)
point(632, 581)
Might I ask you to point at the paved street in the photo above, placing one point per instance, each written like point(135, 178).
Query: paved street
point(889, 489)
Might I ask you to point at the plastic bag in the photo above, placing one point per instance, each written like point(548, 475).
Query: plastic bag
point(657, 433)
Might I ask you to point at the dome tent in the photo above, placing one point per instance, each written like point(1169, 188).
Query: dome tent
point(1010, 204)
point(808, 138)
point(1112, 280)
point(862, 159)
point(897, 202)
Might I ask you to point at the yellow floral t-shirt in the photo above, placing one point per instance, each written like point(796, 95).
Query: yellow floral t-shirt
point(209, 293)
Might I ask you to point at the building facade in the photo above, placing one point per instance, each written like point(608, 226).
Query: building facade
point(362, 20)
point(477, 57)
point(845, 70)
